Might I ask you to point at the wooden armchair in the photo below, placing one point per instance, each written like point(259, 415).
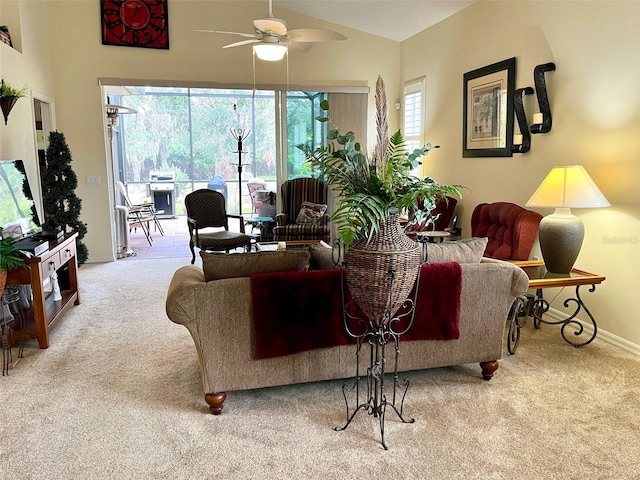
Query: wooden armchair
point(206, 211)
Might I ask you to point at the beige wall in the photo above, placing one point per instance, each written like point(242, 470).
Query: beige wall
point(595, 102)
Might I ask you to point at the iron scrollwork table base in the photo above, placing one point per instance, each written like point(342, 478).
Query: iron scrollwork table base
point(536, 305)
point(377, 335)
point(541, 306)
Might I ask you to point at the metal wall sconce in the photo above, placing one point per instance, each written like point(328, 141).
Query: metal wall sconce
point(522, 142)
point(542, 120)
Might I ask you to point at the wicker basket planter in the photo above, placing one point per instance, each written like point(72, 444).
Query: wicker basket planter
point(367, 267)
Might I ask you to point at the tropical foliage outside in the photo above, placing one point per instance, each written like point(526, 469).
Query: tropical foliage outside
point(187, 131)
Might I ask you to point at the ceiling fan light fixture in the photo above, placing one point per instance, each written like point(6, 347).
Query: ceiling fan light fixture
point(270, 52)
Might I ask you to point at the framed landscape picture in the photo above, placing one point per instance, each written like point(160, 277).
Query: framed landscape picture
point(488, 110)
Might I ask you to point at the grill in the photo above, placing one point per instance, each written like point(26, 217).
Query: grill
point(162, 188)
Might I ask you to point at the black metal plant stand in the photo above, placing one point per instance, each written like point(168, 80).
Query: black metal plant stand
point(377, 335)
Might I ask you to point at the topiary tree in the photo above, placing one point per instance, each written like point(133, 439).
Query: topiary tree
point(60, 203)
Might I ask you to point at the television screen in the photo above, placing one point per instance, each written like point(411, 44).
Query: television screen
point(18, 215)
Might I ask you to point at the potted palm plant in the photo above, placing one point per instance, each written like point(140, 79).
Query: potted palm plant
point(10, 258)
point(372, 190)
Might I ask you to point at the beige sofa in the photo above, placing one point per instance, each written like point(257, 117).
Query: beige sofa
point(218, 315)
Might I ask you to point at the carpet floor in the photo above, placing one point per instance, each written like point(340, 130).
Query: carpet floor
point(118, 395)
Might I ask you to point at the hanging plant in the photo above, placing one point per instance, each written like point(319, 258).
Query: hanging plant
point(8, 98)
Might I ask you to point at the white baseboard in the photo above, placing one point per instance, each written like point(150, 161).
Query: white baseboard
point(100, 260)
point(602, 334)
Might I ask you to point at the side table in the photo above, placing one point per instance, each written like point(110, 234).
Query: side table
point(536, 306)
point(264, 224)
point(430, 236)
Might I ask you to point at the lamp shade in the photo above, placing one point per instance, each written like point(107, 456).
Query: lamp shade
point(561, 233)
point(271, 52)
point(568, 187)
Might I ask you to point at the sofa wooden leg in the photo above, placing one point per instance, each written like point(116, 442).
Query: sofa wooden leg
point(488, 369)
point(215, 401)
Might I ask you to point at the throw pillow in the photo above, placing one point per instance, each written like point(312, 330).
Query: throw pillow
point(311, 213)
point(232, 265)
point(461, 251)
point(322, 258)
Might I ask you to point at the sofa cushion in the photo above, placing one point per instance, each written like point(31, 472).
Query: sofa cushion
point(461, 251)
point(311, 213)
point(322, 258)
point(231, 265)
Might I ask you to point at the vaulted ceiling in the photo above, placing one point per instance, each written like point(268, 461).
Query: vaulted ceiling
point(393, 19)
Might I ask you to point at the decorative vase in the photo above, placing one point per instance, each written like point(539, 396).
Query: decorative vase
point(381, 272)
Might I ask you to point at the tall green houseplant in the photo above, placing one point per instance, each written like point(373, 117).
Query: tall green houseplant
point(60, 203)
point(371, 186)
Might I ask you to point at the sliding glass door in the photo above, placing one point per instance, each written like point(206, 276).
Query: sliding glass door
point(186, 134)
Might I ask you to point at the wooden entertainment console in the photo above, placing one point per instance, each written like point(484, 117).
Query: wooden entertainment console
point(45, 313)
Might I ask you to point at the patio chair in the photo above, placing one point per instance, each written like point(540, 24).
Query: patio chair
point(141, 215)
point(254, 185)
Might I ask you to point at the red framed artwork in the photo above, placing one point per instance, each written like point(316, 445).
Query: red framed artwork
point(135, 23)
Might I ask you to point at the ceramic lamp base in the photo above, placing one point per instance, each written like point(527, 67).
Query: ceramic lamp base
point(561, 235)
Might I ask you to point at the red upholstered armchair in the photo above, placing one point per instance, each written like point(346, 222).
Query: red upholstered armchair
point(442, 212)
point(510, 228)
point(289, 224)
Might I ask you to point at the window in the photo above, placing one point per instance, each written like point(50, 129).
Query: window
point(413, 116)
point(185, 132)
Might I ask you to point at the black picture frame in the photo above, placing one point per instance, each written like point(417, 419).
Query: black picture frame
point(488, 111)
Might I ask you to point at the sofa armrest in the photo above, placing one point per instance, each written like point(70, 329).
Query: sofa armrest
point(519, 279)
point(184, 283)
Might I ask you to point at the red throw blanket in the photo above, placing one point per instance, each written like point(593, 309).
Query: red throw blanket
point(300, 311)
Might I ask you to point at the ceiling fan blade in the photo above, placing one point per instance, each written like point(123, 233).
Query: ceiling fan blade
point(243, 42)
point(314, 35)
point(272, 25)
point(299, 46)
point(248, 35)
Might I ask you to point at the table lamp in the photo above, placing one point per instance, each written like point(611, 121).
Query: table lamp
point(561, 233)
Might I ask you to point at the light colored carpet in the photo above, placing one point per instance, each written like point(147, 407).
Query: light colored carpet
point(118, 395)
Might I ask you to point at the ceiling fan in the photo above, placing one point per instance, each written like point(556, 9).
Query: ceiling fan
point(271, 39)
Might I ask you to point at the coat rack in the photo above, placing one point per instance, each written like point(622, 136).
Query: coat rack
point(239, 134)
